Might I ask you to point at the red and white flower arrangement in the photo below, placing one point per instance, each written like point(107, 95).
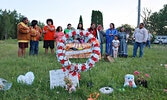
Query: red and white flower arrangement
point(75, 68)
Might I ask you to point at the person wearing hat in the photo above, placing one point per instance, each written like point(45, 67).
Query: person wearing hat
point(34, 37)
point(23, 36)
point(49, 39)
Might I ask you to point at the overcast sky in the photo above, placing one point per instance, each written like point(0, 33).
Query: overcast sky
point(68, 11)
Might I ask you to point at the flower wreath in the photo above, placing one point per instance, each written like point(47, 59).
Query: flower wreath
point(75, 68)
point(106, 90)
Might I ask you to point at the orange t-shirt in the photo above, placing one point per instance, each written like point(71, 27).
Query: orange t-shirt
point(49, 35)
point(39, 33)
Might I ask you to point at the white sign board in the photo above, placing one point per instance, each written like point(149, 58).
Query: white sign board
point(57, 78)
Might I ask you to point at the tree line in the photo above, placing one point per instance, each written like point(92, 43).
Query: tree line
point(156, 22)
point(8, 24)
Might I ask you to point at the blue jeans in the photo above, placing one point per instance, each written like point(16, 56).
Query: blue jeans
point(136, 45)
point(101, 48)
point(34, 47)
point(148, 43)
point(109, 49)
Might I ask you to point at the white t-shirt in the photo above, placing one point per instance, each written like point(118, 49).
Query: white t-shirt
point(140, 35)
point(115, 43)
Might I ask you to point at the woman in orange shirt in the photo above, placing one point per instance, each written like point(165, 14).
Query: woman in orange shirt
point(49, 39)
point(34, 37)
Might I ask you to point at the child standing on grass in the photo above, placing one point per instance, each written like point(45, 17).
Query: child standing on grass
point(115, 44)
point(59, 34)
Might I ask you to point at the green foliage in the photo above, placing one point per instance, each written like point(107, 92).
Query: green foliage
point(146, 15)
point(158, 22)
point(80, 19)
point(103, 74)
point(128, 28)
point(97, 17)
point(8, 24)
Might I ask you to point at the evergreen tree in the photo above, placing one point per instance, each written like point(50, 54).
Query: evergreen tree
point(80, 19)
point(97, 18)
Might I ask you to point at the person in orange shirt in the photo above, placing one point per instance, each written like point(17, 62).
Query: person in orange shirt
point(23, 36)
point(34, 37)
point(49, 39)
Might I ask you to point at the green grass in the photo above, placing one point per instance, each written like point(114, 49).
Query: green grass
point(103, 74)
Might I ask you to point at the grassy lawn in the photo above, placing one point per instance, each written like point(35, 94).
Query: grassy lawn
point(103, 74)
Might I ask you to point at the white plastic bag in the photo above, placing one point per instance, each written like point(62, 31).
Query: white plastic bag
point(4, 84)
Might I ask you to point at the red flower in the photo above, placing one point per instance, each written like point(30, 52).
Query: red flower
point(67, 36)
point(79, 77)
point(96, 45)
point(81, 33)
point(62, 61)
point(76, 68)
point(63, 69)
point(68, 67)
point(70, 72)
point(62, 41)
point(136, 73)
point(73, 74)
point(90, 64)
point(60, 47)
point(90, 40)
point(147, 75)
point(94, 59)
point(60, 54)
point(83, 67)
point(87, 34)
point(73, 33)
point(93, 39)
point(97, 52)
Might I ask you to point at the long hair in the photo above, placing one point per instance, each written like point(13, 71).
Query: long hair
point(92, 24)
point(81, 26)
point(57, 30)
point(112, 25)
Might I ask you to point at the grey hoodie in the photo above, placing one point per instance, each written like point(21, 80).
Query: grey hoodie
point(102, 34)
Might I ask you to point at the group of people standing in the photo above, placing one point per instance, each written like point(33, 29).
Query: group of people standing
point(115, 41)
